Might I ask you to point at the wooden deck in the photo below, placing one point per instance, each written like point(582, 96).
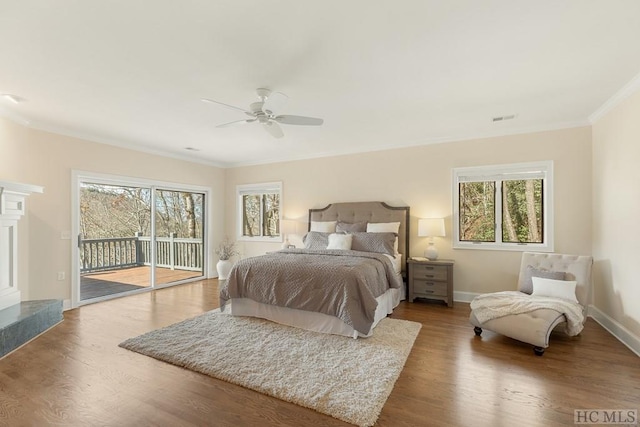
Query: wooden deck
point(95, 285)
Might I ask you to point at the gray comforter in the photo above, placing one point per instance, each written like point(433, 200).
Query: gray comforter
point(339, 283)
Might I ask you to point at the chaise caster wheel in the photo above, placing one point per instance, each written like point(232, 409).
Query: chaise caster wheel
point(539, 351)
point(478, 331)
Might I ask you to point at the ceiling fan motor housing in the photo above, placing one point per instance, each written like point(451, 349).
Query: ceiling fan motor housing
point(263, 93)
point(256, 109)
point(266, 112)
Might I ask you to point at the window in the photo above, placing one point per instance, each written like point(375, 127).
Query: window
point(259, 211)
point(505, 207)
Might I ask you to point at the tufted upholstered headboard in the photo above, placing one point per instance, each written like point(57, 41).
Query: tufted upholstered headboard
point(575, 267)
point(368, 212)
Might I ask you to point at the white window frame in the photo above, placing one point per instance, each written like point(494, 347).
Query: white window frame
point(498, 173)
point(262, 188)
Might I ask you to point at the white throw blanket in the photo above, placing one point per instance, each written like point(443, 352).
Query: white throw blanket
point(499, 304)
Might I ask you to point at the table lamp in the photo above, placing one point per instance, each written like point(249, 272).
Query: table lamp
point(431, 227)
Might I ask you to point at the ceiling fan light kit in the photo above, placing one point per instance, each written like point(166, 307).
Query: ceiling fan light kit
point(266, 111)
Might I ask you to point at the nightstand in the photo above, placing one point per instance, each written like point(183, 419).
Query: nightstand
point(431, 279)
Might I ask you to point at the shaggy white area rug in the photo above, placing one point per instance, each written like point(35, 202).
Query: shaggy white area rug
point(346, 378)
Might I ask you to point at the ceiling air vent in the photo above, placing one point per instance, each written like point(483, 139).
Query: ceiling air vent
point(503, 118)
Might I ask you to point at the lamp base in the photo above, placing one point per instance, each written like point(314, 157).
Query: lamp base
point(431, 253)
point(286, 243)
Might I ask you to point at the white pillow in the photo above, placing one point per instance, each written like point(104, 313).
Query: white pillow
point(565, 289)
point(385, 227)
point(324, 226)
point(340, 241)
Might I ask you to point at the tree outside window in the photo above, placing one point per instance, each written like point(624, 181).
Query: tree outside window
point(522, 211)
point(259, 211)
point(477, 211)
point(504, 207)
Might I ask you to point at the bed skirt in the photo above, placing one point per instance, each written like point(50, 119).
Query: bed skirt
point(312, 321)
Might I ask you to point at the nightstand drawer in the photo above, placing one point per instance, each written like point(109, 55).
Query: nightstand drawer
point(428, 287)
point(429, 272)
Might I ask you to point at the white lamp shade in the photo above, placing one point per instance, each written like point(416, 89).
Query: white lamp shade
point(431, 227)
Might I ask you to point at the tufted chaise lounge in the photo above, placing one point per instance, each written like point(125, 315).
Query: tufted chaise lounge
point(536, 326)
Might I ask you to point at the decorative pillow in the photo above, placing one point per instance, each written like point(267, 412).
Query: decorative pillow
point(565, 289)
point(316, 240)
point(383, 227)
point(324, 226)
point(346, 227)
point(526, 285)
point(374, 242)
point(340, 241)
point(391, 227)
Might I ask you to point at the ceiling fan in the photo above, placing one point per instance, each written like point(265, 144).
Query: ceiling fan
point(266, 112)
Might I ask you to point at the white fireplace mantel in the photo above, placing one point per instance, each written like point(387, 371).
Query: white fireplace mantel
point(12, 208)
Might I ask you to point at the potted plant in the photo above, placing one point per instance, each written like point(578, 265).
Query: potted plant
point(226, 249)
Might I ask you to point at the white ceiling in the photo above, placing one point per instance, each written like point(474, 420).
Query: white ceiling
point(381, 74)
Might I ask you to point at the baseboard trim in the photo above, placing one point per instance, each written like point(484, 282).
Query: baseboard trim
point(66, 305)
point(616, 329)
point(464, 296)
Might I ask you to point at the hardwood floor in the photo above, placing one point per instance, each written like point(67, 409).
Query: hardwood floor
point(76, 375)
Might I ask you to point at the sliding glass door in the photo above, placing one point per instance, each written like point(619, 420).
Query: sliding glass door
point(133, 237)
point(111, 220)
point(179, 235)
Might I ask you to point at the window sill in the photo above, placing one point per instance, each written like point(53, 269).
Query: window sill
point(514, 247)
point(260, 239)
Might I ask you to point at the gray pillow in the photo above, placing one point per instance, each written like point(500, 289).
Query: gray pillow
point(526, 284)
point(347, 227)
point(316, 240)
point(374, 242)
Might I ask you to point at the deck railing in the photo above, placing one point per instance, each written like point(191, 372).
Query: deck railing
point(123, 252)
point(173, 252)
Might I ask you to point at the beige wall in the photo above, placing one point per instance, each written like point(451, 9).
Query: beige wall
point(420, 177)
point(616, 213)
point(596, 203)
point(46, 159)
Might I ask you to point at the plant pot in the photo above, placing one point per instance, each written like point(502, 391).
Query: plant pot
point(224, 268)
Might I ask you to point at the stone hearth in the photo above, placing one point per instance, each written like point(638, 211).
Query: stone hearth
point(22, 322)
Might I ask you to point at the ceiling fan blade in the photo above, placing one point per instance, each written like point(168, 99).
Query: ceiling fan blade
point(274, 103)
point(273, 128)
point(211, 101)
point(236, 122)
point(298, 120)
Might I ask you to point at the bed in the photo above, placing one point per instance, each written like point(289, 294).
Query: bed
point(335, 291)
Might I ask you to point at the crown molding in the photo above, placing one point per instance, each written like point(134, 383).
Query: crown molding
point(228, 165)
point(627, 90)
point(14, 117)
point(107, 141)
point(428, 141)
